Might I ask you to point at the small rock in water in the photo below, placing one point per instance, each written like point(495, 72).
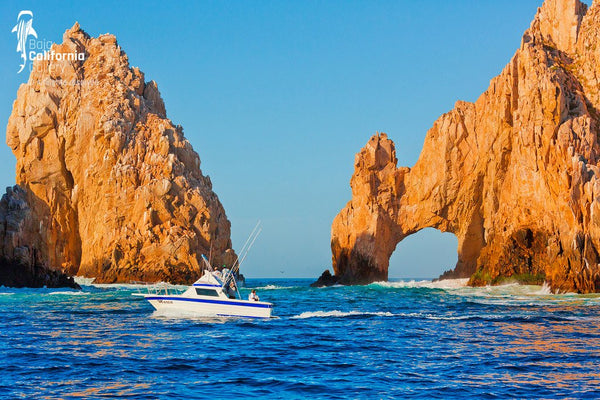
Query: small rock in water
point(326, 279)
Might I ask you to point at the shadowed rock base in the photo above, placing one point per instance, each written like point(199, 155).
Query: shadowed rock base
point(21, 251)
point(20, 275)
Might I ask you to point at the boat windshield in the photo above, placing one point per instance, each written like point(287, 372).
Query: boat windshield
point(224, 279)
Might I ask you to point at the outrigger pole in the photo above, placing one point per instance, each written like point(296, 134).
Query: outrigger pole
point(245, 249)
point(245, 244)
point(236, 266)
point(207, 263)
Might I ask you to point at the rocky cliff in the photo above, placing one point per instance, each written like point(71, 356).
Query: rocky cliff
point(113, 190)
point(515, 175)
point(21, 265)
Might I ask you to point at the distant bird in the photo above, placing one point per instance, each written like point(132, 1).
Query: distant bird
point(24, 28)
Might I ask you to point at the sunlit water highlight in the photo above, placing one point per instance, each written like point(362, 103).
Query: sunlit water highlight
point(405, 339)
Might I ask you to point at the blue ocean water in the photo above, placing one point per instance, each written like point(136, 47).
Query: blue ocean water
point(384, 340)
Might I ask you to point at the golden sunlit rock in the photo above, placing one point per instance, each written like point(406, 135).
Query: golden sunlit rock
point(515, 175)
point(113, 188)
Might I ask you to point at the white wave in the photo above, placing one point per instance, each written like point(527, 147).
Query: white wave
point(545, 289)
point(83, 281)
point(461, 317)
point(418, 315)
point(70, 293)
point(443, 284)
point(450, 283)
point(272, 287)
point(337, 285)
point(338, 314)
point(189, 315)
point(447, 317)
point(511, 290)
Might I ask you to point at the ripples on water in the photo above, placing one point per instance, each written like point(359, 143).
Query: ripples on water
point(387, 340)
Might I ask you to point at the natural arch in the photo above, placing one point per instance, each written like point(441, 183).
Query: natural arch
point(423, 255)
point(390, 203)
point(515, 175)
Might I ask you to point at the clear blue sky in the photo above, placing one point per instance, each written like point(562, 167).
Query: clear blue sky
point(278, 96)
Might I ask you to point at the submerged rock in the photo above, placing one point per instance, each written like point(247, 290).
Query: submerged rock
point(113, 188)
point(515, 175)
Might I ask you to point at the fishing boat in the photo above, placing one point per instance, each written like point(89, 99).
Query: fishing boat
point(215, 294)
point(211, 296)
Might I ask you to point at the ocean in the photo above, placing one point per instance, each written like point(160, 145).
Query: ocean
point(401, 339)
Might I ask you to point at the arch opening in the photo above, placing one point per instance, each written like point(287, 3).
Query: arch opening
point(426, 254)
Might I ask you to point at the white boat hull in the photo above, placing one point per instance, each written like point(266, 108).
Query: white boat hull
point(211, 306)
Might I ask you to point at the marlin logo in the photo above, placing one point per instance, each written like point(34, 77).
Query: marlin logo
point(24, 28)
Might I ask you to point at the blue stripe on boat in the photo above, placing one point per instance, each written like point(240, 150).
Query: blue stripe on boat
point(229, 303)
point(206, 284)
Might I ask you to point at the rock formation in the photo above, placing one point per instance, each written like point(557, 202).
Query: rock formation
point(21, 264)
point(515, 175)
point(113, 189)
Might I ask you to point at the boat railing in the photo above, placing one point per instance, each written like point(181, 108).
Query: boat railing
point(156, 288)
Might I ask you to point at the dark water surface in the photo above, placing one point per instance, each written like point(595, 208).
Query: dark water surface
point(388, 340)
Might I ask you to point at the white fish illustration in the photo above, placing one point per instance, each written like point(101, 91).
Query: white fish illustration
point(24, 28)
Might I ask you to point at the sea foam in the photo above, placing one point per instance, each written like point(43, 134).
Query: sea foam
point(70, 293)
point(338, 314)
point(272, 287)
point(442, 284)
point(83, 281)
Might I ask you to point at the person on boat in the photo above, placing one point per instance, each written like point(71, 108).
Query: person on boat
point(253, 296)
point(231, 290)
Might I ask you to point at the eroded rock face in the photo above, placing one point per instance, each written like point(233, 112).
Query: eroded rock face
point(115, 188)
point(515, 175)
point(21, 263)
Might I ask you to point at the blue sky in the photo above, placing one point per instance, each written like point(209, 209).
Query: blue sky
point(278, 96)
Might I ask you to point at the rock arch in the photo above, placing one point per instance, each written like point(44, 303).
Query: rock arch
point(515, 175)
point(423, 255)
point(384, 210)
